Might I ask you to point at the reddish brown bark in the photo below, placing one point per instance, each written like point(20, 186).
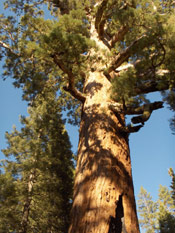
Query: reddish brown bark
point(103, 194)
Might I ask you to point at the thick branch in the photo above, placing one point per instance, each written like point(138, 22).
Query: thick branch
point(156, 78)
point(157, 82)
point(128, 110)
point(150, 86)
point(130, 129)
point(100, 23)
point(140, 110)
point(133, 129)
point(101, 29)
point(62, 5)
point(99, 15)
point(119, 35)
point(124, 55)
point(74, 92)
point(147, 110)
point(71, 81)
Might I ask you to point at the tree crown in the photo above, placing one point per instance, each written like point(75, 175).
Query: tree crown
point(134, 49)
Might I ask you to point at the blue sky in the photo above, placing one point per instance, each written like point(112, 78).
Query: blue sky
point(152, 148)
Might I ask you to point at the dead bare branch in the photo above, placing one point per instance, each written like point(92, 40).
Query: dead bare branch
point(6, 46)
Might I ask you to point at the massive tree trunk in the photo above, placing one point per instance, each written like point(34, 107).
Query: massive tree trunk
point(103, 194)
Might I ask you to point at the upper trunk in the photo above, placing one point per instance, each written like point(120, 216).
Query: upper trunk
point(103, 193)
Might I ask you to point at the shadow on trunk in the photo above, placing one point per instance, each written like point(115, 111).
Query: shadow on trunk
point(103, 184)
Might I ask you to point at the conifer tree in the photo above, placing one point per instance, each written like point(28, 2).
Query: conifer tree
point(171, 173)
point(8, 202)
point(36, 187)
point(105, 56)
point(147, 209)
point(157, 216)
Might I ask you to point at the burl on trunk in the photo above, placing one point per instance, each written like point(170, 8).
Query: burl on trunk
point(103, 194)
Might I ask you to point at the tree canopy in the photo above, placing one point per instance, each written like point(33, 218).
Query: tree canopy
point(157, 216)
point(137, 53)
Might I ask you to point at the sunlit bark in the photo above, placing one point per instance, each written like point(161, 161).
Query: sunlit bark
point(103, 194)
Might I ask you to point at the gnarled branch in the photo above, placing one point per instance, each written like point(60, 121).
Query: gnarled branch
point(101, 29)
point(100, 23)
point(119, 35)
point(130, 129)
point(143, 111)
point(124, 55)
point(133, 129)
point(140, 110)
point(71, 80)
point(99, 14)
point(146, 112)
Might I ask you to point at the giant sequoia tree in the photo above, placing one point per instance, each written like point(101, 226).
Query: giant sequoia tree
point(106, 57)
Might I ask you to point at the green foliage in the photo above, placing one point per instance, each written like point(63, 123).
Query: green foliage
point(147, 209)
point(35, 41)
point(124, 89)
point(166, 215)
point(8, 202)
point(171, 173)
point(169, 98)
point(38, 48)
point(69, 40)
point(155, 51)
point(43, 160)
point(167, 223)
point(157, 216)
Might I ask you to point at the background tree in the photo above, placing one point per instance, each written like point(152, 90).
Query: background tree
point(157, 216)
point(171, 173)
point(147, 209)
point(8, 202)
point(105, 56)
point(36, 187)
